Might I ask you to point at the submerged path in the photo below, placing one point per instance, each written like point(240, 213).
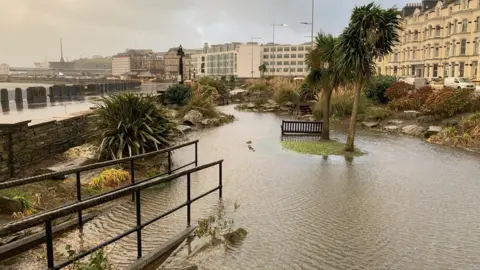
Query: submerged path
point(406, 204)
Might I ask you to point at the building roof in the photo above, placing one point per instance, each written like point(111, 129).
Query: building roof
point(130, 73)
point(146, 74)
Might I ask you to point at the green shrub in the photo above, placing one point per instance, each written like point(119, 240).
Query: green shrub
point(220, 85)
point(285, 94)
point(259, 86)
point(178, 94)
point(341, 105)
point(201, 104)
point(413, 100)
point(377, 113)
point(398, 90)
point(307, 93)
point(376, 90)
point(131, 124)
point(448, 102)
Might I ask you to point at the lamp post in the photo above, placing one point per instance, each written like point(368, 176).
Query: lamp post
point(254, 38)
point(313, 17)
point(180, 53)
point(274, 51)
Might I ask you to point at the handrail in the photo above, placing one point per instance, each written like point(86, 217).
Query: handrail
point(43, 217)
point(42, 177)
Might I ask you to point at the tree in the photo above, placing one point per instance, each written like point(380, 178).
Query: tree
point(371, 33)
point(324, 74)
point(262, 68)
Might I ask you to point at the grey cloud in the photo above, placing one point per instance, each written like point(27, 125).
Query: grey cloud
point(30, 29)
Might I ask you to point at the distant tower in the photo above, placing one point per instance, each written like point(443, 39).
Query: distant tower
point(61, 52)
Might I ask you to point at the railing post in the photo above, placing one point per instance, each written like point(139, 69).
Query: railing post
point(49, 240)
point(169, 162)
point(189, 209)
point(196, 154)
point(132, 176)
point(79, 199)
point(220, 185)
point(139, 224)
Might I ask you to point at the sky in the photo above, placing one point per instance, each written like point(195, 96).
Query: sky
point(30, 30)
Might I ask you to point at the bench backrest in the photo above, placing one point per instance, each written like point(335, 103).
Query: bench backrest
point(301, 127)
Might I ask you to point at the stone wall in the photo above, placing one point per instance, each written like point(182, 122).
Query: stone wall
point(22, 145)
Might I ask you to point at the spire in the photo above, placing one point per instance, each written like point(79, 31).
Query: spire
point(61, 52)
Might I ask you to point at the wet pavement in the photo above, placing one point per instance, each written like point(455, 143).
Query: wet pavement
point(406, 204)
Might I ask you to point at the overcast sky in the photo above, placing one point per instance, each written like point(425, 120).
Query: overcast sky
point(30, 29)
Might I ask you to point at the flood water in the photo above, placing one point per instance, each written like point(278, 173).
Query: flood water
point(40, 112)
point(406, 204)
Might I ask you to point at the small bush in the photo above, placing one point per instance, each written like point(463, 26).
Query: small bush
point(219, 85)
point(259, 86)
point(201, 104)
point(448, 102)
point(131, 124)
point(398, 90)
point(413, 100)
point(475, 104)
point(178, 94)
point(377, 113)
point(307, 93)
point(341, 105)
point(110, 178)
point(376, 90)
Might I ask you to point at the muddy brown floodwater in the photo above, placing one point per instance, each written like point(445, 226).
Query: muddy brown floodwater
point(406, 204)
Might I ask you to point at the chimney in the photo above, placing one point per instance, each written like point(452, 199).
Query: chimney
point(410, 8)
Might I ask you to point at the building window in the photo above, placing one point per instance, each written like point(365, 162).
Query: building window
point(437, 50)
point(463, 47)
point(300, 55)
point(265, 56)
point(414, 53)
point(395, 56)
point(280, 49)
point(447, 49)
point(292, 69)
point(452, 69)
point(465, 4)
point(265, 49)
point(415, 35)
point(454, 48)
point(286, 69)
point(474, 69)
point(435, 70)
point(279, 56)
point(462, 69)
point(299, 69)
point(438, 11)
point(464, 26)
point(455, 23)
point(301, 48)
point(294, 49)
point(408, 53)
point(286, 49)
point(437, 31)
point(475, 46)
point(430, 31)
point(272, 70)
point(477, 24)
point(445, 70)
point(450, 28)
point(286, 55)
point(427, 73)
point(293, 56)
point(450, 10)
point(293, 63)
point(300, 63)
point(279, 63)
point(286, 63)
point(279, 69)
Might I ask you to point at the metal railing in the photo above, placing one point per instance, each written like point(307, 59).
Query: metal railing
point(78, 170)
point(47, 217)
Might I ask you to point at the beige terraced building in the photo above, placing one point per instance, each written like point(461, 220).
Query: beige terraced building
point(285, 59)
point(439, 39)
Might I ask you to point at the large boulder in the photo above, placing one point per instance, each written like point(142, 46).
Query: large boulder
point(192, 118)
point(450, 123)
point(414, 130)
point(411, 114)
point(432, 130)
point(369, 124)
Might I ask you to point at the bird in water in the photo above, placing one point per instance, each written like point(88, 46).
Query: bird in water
point(251, 148)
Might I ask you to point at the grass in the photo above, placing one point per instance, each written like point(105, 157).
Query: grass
point(320, 148)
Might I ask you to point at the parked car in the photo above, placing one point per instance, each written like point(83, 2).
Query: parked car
point(415, 81)
point(458, 83)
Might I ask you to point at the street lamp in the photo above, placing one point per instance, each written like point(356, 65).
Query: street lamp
point(311, 23)
point(254, 38)
point(180, 53)
point(274, 51)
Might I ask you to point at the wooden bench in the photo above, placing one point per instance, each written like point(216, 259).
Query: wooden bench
point(301, 127)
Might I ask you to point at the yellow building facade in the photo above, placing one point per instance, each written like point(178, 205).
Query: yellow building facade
point(439, 39)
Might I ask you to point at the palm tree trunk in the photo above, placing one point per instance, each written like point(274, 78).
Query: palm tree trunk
point(326, 115)
point(349, 146)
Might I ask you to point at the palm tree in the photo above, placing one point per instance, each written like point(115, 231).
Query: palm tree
point(371, 33)
point(262, 68)
point(324, 74)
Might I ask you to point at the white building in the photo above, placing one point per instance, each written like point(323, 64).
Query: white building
point(237, 59)
point(120, 65)
point(285, 60)
point(4, 69)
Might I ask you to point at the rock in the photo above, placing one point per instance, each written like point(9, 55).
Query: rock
point(210, 122)
point(414, 130)
point(426, 119)
point(370, 124)
point(411, 114)
point(10, 205)
point(184, 128)
point(394, 122)
point(67, 166)
point(390, 128)
point(172, 113)
point(450, 123)
point(289, 104)
point(432, 130)
point(250, 105)
point(236, 236)
point(308, 117)
point(192, 118)
point(237, 100)
point(284, 109)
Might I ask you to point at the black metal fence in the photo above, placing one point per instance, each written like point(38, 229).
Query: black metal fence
point(47, 217)
point(78, 170)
